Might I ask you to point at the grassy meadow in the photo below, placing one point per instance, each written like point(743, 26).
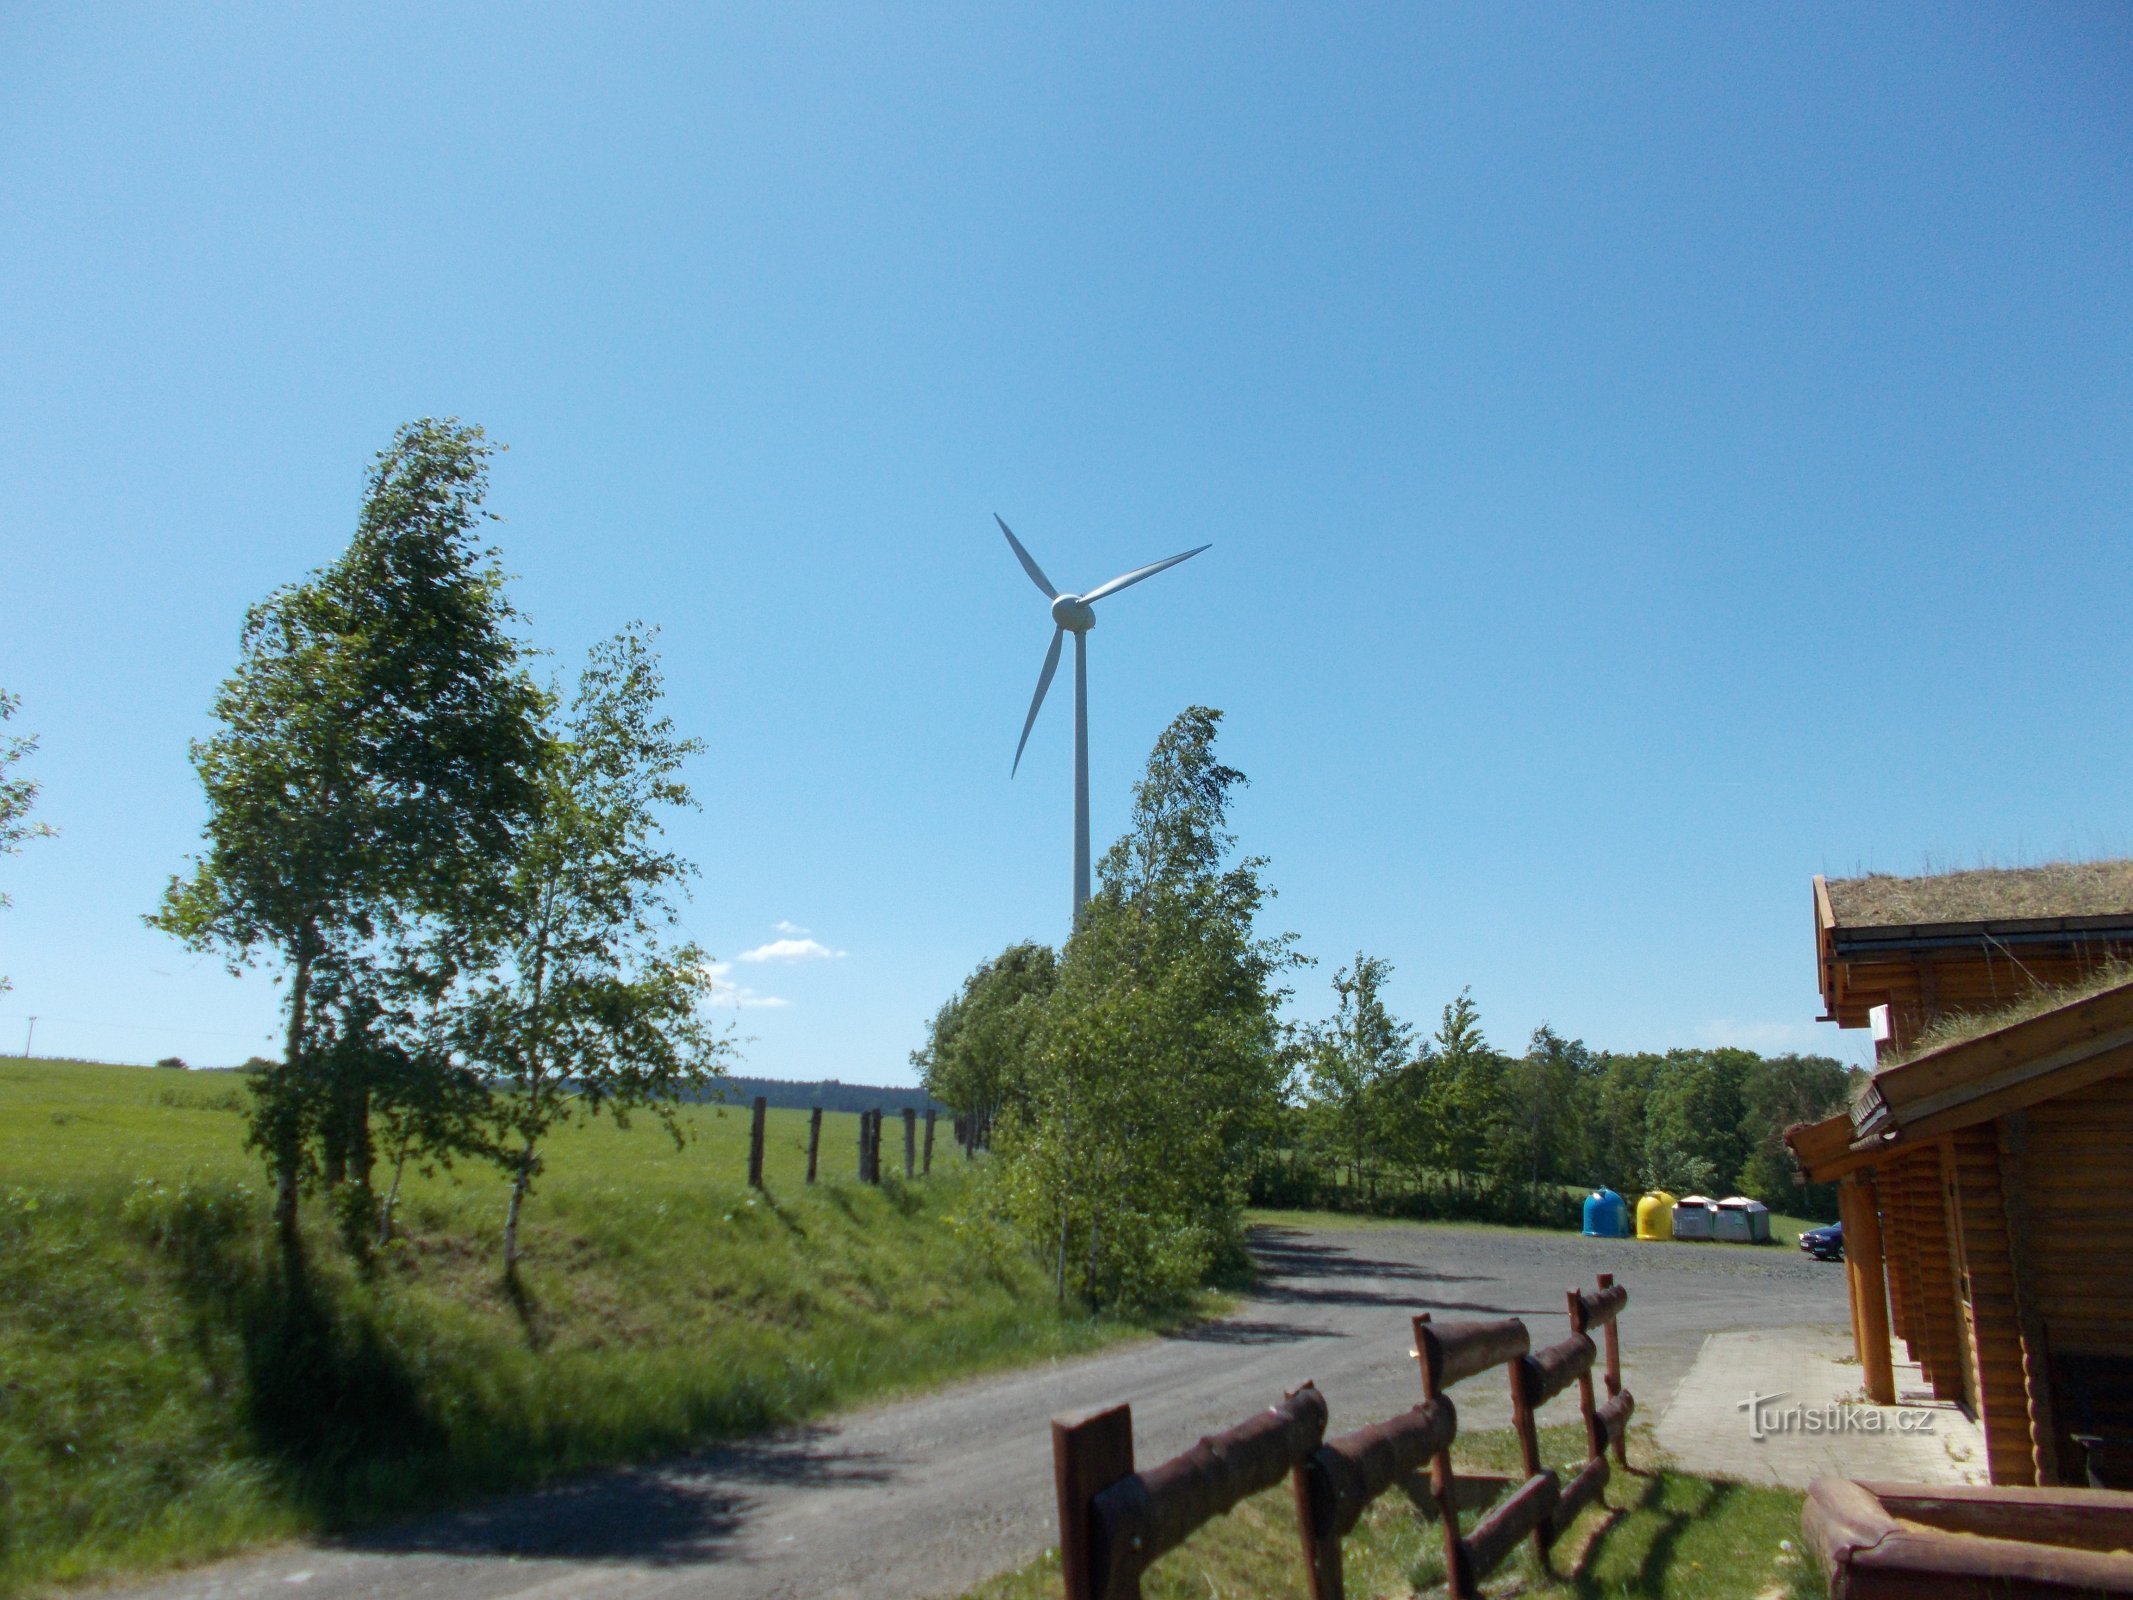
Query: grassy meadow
point(1670, 1537)
point(167, 1395)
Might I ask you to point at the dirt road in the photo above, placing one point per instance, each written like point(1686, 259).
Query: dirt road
point(927, 1496)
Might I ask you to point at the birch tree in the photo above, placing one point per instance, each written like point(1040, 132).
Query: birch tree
point(373, 758)
point(591, 1009)
point(17, 796)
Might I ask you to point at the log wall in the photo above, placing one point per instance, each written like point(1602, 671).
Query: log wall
point(1929, 1294)
point(1988, 1304)
point(2078, 1189)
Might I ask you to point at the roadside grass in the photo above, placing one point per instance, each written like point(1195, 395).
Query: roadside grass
point(1670, 1537)
point(168, 1395)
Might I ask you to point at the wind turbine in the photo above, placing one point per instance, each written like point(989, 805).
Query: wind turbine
point(1075, 614)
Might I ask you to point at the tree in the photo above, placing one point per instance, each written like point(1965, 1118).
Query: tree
point(375, 756)
point(1351, 1061)
point(1693, 1113)
point(1544, 1126)
point(1780, 1091)
point(976, 1053)
point(1470, 1097)
point(17, 795)
point(1158, 1062)
point(589, 1008)
point(1616, 1121)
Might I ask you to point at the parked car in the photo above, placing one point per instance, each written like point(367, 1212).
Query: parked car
point(1824, 1244)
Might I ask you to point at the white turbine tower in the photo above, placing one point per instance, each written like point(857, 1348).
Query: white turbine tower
point(1075, 614)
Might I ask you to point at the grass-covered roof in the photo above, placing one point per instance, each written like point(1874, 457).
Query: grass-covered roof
point(1986, 894)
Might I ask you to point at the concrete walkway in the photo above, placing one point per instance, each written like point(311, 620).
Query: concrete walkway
point(1809, 1416)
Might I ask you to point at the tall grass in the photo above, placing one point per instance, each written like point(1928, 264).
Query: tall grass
point(172, 1390)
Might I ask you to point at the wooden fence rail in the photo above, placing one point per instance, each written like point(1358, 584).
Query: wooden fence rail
point(1114, 1522)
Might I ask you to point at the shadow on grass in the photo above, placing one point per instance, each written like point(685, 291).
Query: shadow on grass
point(323, 1394)
point(1710, 1499)
point(526, 1308)
point(353, 1431)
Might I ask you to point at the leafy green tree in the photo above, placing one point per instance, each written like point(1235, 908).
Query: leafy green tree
point(1544, 1126)
point(17, 796)
point(375, 757)
point(1693, 1116)
point(1615, 1121)
point(1413, 1119)
point(591, 1009)
point(1351, 1061)
point(1470, 1093)
point(976, 1054)
point(1780, 1091)
point(1158, 1063)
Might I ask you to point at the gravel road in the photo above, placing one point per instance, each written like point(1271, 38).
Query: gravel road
point(927, 1496)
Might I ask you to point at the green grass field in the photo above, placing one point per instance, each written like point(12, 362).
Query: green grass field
point(166, 1396)
point(1669, 1537)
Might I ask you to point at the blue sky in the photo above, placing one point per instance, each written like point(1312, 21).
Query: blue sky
point(1652, 456)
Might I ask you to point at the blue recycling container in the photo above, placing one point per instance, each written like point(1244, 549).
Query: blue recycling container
point(1606, 1215)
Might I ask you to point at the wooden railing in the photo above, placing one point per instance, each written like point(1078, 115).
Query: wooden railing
point(1114, 1521)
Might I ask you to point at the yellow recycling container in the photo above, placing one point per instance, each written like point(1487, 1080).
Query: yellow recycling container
point(1655, 1216)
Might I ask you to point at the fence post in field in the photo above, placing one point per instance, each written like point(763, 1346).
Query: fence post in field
point(910, 1142)
point(755, 1143)
point(814, 1141)
point(866, 1129)
point(927, 1169)
point(874, 1147)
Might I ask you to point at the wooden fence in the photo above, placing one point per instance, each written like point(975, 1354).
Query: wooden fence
point(1115, 1522)
point(869, 1143)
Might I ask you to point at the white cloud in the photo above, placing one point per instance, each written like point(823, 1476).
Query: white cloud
point(738, 996)
point(792, 928)
point(792, 950)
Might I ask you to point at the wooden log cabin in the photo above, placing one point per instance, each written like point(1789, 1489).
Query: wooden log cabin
point(1985, 1174)
point(1961, 943)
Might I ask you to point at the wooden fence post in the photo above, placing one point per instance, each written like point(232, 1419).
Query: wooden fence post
point(866, 1132)
point(1613, 1370)
point(1458, 1574)
point(927, 1170)
point(814, 1141)
point(755, 1142)
point(910, 1142)
point(1089, 1454)
point(874, 1149)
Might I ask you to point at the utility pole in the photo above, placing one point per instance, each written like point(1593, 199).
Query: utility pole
point(32, 1034)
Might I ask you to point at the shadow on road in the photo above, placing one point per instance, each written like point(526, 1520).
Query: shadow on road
point(1245, 1330)
point(1301, 1271)
point(682, 1514)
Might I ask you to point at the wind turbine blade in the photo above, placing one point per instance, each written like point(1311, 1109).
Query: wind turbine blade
point(1029, 565)
point(1131, 578)
point(1044, 682)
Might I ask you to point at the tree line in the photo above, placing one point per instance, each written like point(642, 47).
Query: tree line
point(1143, 1085)
point(457, 870)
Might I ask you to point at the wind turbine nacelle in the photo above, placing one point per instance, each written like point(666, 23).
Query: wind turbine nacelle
point(1073, 613)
